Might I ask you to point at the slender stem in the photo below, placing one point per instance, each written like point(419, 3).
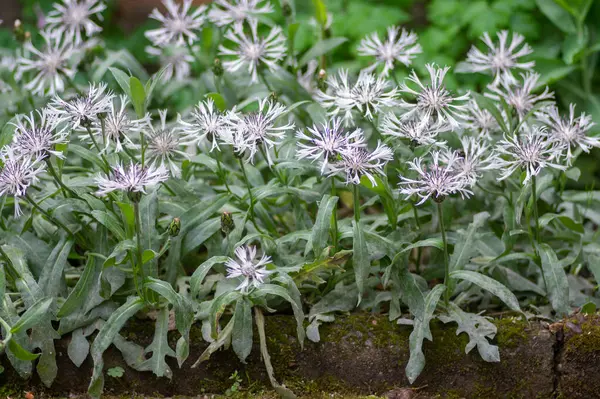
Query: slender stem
point(535, 208)
point(446, 260)
point(264, 79)
point(251, 209)
point(143, 148)
point(138, 231)
point(416, 215)
point(71, 83)
point(98, 147)
point(50, 217)
point(334, 233)
point(356, 201)
point(66, 190)
point(221, 172)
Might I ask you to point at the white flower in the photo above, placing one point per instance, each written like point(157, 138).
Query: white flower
point(252, 52)
point(241, 144)
point(480, 121)
point(434, 100)
point(327, 142)
point(338, 97)
point(50, 65)
point(531, 151)
point(419, 130)
point(569, 132)
point(73, 17)
point(36, 139)
point(473, 158)
point(17, 174)
point(235, 12)
point(260, 127)
point(207, 124)
point(164, 145)
point(178, 27)
point(118, 126)
point(436, 180)
point(253, 271)
point(499, 61)
point(519, 96)
point(133, 179)
point(176, 61)
point(359, 161)
point(401, 47)
point(83, 110)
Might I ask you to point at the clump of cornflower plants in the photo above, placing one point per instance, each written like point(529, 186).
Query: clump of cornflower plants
point(245, 177)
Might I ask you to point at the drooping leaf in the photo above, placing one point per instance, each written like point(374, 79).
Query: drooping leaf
point(78, 348)
point(241, 336)
point(557, 284)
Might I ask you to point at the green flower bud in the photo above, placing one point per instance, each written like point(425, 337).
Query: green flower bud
point(217, 67)
point(175, 227)
point(227, 223)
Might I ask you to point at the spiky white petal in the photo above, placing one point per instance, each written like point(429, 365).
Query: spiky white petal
point(246, 265)
point(207, 124)
point(236, 12)
point(164, 145)
point(17, 174)
point(176, 61)
point(398, 47)
point(520, 95)
point(37, 134)
point(73, 18)
point(357, 162)
point(179, 25)
point(419, 130)
point(82, 110)
point(133, 178)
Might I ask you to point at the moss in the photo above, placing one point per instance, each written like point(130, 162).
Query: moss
point(11, 391)
point(587, 341)
point(512, 332)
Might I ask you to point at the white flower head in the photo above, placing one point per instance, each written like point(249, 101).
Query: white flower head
point(176, 61)
point(164, 145)
point(227, 12)
point(36, 137)
point(434, 100)
point(480, 121)
point(398, 47)
point(50, 65)
point(419, 131)
point(531, 151)
point(473, 159)
point(327, 142)
point(519, 95)
point(436, 179)
point(72, 18)
point(118, 126)
point(569, 132)
point(252, 270)
point(179, 25)
point(337, 100)
point(83, 110)
point(242, 145)
point(254, 52)
point(207, 124)
point(133, 179)
point(501, 60)
point(260, 127)
point(17, 174)
point(359, 161)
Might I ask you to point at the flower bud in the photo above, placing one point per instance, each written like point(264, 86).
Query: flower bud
point(273, 97)
point(175, 227)
point(217, 67)
point(322, 80)
point(286, 9)
point(227, 223)
point(19, 32)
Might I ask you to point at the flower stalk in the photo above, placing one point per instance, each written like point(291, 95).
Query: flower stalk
point(446, 258)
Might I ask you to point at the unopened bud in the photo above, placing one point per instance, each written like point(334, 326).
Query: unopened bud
point(174, 227)
point(17, 24)
point(273, 97)
point(322, 80)
point(286, 9)
point(135, 196)
point(227, 223)
point(217, 67)
point(19, 32)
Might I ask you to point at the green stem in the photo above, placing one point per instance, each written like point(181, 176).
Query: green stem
point(192, 53)
point(334, 233)
point(58, 180)
point(446, 260)
point(250, 196)
point(91, 134)
point(416, 215)
point(356, 201)
point(221, 172)
point(138, 232)
point(50, 217)
point(264, 79)
point(535, 208)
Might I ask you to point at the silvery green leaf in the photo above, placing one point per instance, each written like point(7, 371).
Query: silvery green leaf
point(241, 336)
point(557, 284)
point(78, 348)
point(360, 258)
point(159, 347)
point(322, 226)
point(489, 284)
point(463, 250)
point(52, 280)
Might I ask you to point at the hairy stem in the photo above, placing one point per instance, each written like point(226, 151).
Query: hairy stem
point(250, 196)
point(334, 221)
point(446, 260)
point(356, 201)
point(50, 217)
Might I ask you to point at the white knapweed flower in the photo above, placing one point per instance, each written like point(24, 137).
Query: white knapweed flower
point(398, 46)
point(420, 131)
point(164, 145)
point(252, 270)
point(134, 178)
point(531, 151)
point(17, 174)
point(261, 126)
point(357, 162)
point(176, 61)
point(206, 125)
point(434, 100)
point(179, 25)
point(500, 61)
point(227, 12)
point(569, 132)
point(50, 65)
point(337, 100)
point(72, 18)
point(252, 52)
point(83, 110)
point(327, 142)
point(473, 159)
point(118, 126)
point(370, 94)
point(436, 179)
point(520, 95)
point(480, 121)
point(37, 136)
point(241, 145)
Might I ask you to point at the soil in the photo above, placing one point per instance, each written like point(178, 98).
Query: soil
point(359, 355)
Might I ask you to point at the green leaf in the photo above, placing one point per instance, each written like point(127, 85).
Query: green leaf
point(283, 293)
point(122, 79)
point(218, 307)
point(569, 223)
point(159, 347)
point(33, 316)
point(20, 352)
point(320, 48)
point(109, 221)
point(79, 293)
point(78, 348)
point(322, 226)
point(489, 284)
point(594, 266)
point(574, 46)
point(310, 271)
point(360, 258)
point(320, 12)
point(464, 250)
point(201, 271)
point(421, 330)
point(241, 336)
point(198, 235)
point(429, 242)
point(222, 338)
point(138, 96)
point(200, 212)
point(557, 15)
point(557, 284)
point(105, 337)
point(219, 101)
point(52, 280)
point(409, 289)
